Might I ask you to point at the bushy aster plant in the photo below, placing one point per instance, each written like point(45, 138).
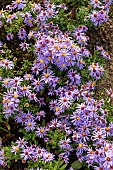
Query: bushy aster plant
point(47, 81)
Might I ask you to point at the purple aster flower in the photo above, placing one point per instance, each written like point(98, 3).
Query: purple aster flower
point(47, 76)
point(26, 153)
point(9, 7)
point(20, 118)
point(109, 92)
point(38, 85)
point(94, 17)
point(74, 77)
point(80, 63)
point(25, 90)
point(41, 101)
point(31, 34)
point(26, 15)
point(109, 2)
point(85, 52)
point(96, 71)
point(21, 143)
point(15, 149)
point(24, 46)
point(1, 44)
point(29, 116)
point(9, 36)
point(95, 3)
point(81, 148)
point(28, 77)
point(19, 4)
point(35, 69)
point(2, 158)
point(40, 114)
point(11, 17)
point(40, 152)
point(22, 34)
point(6, 64)
point(55, 123)
point(30, 125)
point(16, 81)
point(53, 104)
point(65, 102)
point(7, 83)
point(47, 157)
point(32, 96)
point(29, 21)
point(41, 132)
point(64, 144)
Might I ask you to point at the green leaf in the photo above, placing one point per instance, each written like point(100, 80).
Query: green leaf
point(1, 128)
point(76, 165)
point(63, 167)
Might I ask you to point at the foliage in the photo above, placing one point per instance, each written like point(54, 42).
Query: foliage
point(47, 82)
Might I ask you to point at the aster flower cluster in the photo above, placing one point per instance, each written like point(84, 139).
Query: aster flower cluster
point(53, 97)
point(31, 152)
point(101, 11)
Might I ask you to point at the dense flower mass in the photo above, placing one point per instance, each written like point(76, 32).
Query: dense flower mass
point(52, 103)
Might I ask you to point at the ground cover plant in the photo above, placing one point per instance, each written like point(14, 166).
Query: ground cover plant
point(50, 117)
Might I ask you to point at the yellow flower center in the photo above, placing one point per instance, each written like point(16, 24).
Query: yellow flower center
point(8, 100)
point(38, 83)
point(81, 61)
point(63, 54)
point(15, 96)
point(80, 145)
point(17, 149)
point(60, 40)
point(46, 75)
point(6, 106)
point(24, 88)
point(72, 45)
point(41, 130)
point(96, 1)
point(41, 61)
point(32, 5)
point(6, 82)
point(4, 101)
point(65, 46)
point(9, 16)
point(105, 149)
point(29, 20)
point(83, 40)
point(58, 48)
point(56, 45)
point(93, 83)
point(63, 65)
point(28, 75)
point(2, 154)
point(77, 118)
point(18, 1)
point(29, 124)
point(93, 66)
point(57, 109)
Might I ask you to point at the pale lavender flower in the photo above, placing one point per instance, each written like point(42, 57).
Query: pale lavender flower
point(47, 157)
point(24, 46)
point(15, 149)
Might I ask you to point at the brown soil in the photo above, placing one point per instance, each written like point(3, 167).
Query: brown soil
point(103, 36)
